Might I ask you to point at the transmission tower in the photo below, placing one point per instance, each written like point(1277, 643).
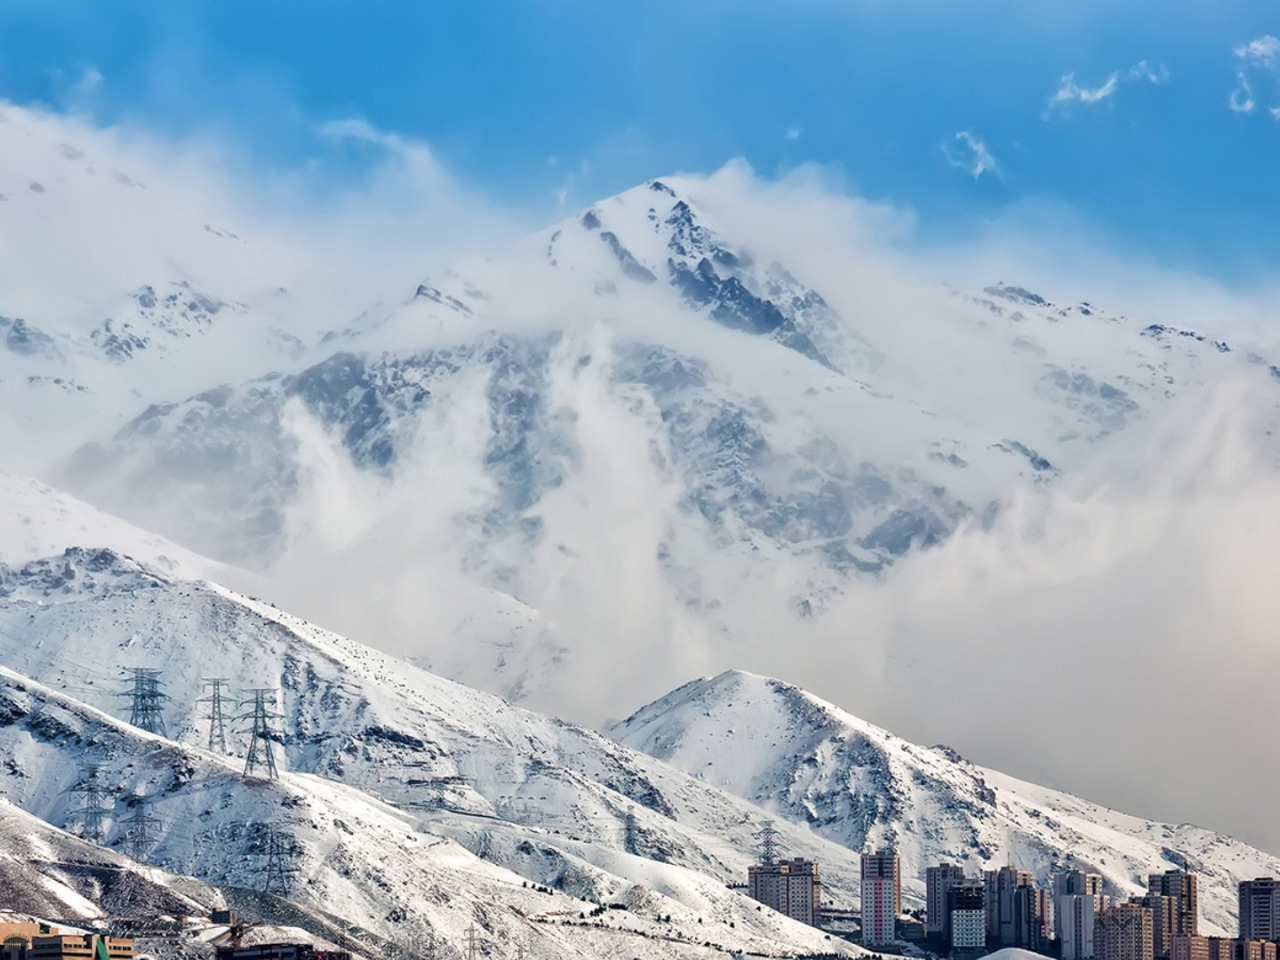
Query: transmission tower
point(279, 850)
point(471, 942)
point(93, 805)
point(140, 830)
point(260, 751)
point(630, 831)
point(216, 715)
point(768, 837)
point(148, 699)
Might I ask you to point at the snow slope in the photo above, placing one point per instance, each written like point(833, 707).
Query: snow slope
point(850, 781)
point(38, 521)
point(392, 772)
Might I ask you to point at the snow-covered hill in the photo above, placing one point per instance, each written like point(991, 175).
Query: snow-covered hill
point(412, 802)
point(791, 752)
point(393, 772)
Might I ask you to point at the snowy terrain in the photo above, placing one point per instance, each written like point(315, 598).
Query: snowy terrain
point(393, 772)
point(789, 751)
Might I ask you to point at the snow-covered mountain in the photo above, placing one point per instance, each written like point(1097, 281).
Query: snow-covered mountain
point(654, 386)
point(412, 803)
point(852, 782)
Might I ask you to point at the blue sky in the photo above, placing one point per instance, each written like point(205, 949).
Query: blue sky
point(543, 102)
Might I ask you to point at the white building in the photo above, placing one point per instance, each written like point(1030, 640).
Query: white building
point(968, 918)
point(881, 897)
point(1074, 915)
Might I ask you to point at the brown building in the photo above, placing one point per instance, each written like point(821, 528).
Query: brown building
point(15, 938)
point(1181, 886)
point(1221, 948)
point(791, 887)
point(1123, 932)
point(89, 946)
point(1164, 919)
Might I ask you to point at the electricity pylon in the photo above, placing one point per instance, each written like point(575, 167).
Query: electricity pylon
point(260, 752)
point(93, 805)
point(140, 830)
point(216, 716)
point(148, 699)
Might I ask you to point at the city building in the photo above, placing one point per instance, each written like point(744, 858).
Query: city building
point(881, 897)
point(1221, 948)
point(1181, 886)
point(87, 946)
point(1016, 919)
point(15, 938)
point(1077, 900)
point(1032, 919)
point(1123, 932)
point(1260, 909)
point(1164, 920)
point(968, 921)
point(788, 886)
point(1189, 948)
point(1073, 917)
point(939, 882)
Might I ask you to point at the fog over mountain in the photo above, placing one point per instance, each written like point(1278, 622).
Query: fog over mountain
point(1018, 497)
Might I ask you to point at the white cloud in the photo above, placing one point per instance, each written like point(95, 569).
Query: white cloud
point(1258, 63)
point(1241, 99)
point(1144, 71)
point(1264, 50)
point(792, 134)
point(966, 152)
point(1070, 92)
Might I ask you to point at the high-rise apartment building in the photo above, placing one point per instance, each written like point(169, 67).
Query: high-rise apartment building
point(1182, 887)
point(1032, 919)
point(1260, 909)
point(939, 882)
point(1077, 900)
point(1164, 921)
point(1005, 921)
point(968, 923)
point(1123, 932)
point(788, 886)
point(881, 897)
point(1073, 917)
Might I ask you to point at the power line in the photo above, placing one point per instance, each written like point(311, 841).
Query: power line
point(216, 715)
point(145, 712)
point(260, 752)
point(93, 805)
point(140, 830)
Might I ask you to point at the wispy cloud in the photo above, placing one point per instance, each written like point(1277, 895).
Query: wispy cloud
point(1259, 57)
point(792, 134)
point(966, 152)
point(1071, 92)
